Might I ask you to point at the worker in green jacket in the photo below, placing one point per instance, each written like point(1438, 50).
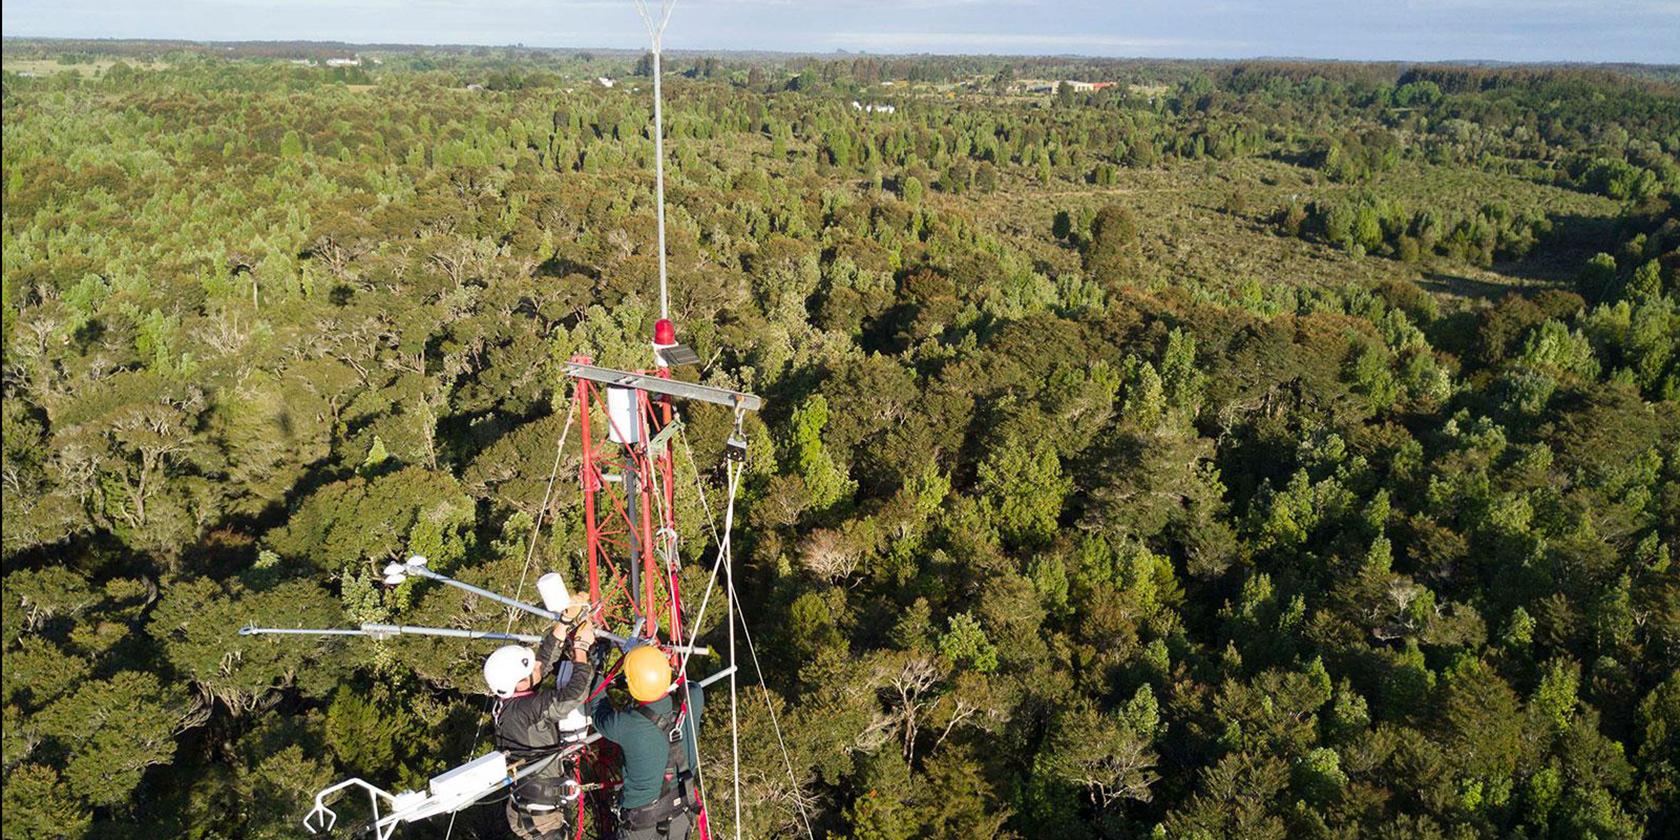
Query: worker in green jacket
point(658, 735)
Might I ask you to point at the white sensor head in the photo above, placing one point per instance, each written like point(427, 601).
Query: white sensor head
point(555, 596)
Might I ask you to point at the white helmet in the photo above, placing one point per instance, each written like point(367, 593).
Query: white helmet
point(504, 669)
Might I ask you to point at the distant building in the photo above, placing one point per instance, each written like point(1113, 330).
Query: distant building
point(1052, 86)
point(872, 108)
point(605, 82)
point(344, 62)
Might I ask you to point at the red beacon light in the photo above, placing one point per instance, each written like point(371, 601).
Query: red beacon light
point(666, 351)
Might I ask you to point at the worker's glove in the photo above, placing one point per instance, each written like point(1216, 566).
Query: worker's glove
point(584, 636)
point(574, 613)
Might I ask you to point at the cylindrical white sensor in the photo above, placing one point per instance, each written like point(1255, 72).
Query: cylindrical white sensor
point(555, 596)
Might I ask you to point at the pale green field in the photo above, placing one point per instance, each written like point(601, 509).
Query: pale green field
point(1190, 232)
point(50, 67)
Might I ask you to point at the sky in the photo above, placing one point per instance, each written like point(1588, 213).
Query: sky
point(1411, 30)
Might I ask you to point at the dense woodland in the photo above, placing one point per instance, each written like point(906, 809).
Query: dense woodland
point(1241, 450)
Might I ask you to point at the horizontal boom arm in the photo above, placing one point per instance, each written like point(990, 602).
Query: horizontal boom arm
point(669, 387)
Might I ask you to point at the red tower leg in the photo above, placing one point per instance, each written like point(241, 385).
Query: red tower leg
point(590, 478)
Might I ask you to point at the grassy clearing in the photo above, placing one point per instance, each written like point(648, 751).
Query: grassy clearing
point(51, 67)
point(1208, 222)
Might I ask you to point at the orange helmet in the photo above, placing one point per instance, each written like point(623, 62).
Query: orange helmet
point(648, 671)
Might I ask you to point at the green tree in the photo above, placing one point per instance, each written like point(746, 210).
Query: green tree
point(38, 804)
point(1113, 254)
point(291, 145)
point(112, 730)
point(827, 483)
point(910, 190)
point(1025, 487)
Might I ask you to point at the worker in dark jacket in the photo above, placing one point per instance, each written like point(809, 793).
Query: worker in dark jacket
point(533, 722)
point(658, 736)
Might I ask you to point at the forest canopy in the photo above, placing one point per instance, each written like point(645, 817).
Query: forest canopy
point(1152, 449)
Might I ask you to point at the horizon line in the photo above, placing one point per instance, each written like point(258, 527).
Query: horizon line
point(374, 45)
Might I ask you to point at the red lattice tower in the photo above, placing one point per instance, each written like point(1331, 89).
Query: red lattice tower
point(627, 476)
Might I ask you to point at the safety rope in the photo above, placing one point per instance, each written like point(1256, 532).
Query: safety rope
point(733, 482)
point(775, 723)
point(711, 585)
point(530, 554)
point(536, 529)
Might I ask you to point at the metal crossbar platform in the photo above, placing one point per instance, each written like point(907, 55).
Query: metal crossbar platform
point(670, 387)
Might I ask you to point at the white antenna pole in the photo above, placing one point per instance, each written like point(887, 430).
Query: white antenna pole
point(656, 37)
